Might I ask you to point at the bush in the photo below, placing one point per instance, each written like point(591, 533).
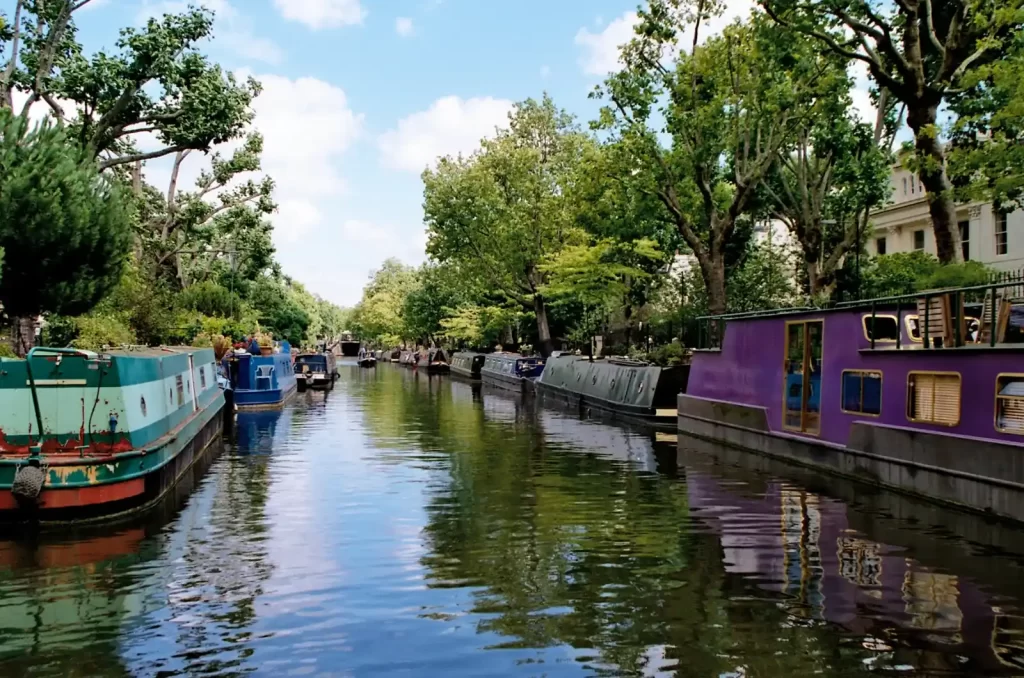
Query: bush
point(97, 330)
point(667, 355)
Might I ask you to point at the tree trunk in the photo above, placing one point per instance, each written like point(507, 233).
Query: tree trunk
point(23, 335)
point(714, 281)
point(932, 172)
point(543, 331)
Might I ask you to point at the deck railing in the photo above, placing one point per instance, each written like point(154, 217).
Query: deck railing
point(1002, 287)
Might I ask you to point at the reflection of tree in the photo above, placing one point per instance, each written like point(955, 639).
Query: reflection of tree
point(576, 549)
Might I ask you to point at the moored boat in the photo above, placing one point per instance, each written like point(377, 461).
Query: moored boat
point(86, 435)
point(261, 381)
point(368, 361)
point(511, 370)
point(912, 393)
point(434, 361)
point(467, 364)
point(621, 388)
point(315, 370)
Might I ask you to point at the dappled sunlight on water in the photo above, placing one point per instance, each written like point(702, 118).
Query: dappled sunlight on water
point(406, 523)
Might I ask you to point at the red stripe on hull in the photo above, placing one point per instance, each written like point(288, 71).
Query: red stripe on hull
point(80, 496)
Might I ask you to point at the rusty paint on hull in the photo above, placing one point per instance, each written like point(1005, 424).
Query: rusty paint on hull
point(78, 497)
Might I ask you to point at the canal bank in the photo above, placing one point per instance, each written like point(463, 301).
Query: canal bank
point(493, 535)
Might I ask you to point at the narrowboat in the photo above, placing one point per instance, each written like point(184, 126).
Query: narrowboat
point(315, 370)
point(368, 361)
point(511, 371)
point(913, 393)
point(392, 356)
point(618, 387)
point(434, 361)
point(467, 364)
point(88, 435)
point(260, 381)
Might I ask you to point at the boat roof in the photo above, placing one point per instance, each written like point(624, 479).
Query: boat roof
point(123, 351)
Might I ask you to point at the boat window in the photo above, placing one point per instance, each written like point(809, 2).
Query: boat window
point(862, 392)
point(881, 327)
point(1010, 403)
point(180, 383)
point(933, 398)
point(912, 324)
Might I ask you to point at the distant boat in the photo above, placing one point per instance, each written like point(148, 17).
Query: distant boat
point(368, 361)
point(87, 435)
point(315, 370)
point(511, 370)
point(467, 364)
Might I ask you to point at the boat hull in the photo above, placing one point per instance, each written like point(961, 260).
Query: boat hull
point(368, 363)
point(466, 364)
point(631, 391)
point(99, 489)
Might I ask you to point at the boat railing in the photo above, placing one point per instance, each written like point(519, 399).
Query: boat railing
point(940, 312)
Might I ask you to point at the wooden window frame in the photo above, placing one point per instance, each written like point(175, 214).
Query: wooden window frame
point(959, 403)
point(1002, 229)
point(842, 386)
point(995, 409)
point(864, 327)
point(806, 365)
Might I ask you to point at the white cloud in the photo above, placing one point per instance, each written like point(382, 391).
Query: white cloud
point(601, 50)
point(317, 14)
point(403, 26)
point(450, 126)
point(233, 30)
point(860, 93)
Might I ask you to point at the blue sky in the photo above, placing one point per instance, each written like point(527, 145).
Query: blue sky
point(361, 95)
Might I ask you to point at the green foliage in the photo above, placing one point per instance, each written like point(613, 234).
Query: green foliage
point(378, 316)
point(897, 273)
point(64, 229)
point(476, 326)
point(599, 274)
point(210, 298)
point(277, 310)
point(96, 330)
point(672, 353)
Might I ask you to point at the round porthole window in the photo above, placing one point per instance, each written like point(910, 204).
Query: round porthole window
point(142, 405)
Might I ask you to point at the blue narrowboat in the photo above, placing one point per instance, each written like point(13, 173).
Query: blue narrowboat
point(511, 370)
point(260, 381)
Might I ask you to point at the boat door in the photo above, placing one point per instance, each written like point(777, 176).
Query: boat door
point(802, 374)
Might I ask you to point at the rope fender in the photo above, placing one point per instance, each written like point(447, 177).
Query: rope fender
point(28, 483)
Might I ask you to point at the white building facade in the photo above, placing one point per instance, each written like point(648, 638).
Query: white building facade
point(904, 225)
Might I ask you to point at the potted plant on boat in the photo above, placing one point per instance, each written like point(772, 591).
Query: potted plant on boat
point(266, 344)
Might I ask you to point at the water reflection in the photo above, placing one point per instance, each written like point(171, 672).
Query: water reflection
point(409, 523)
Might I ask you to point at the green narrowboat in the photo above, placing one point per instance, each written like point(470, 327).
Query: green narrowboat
point(86, 435)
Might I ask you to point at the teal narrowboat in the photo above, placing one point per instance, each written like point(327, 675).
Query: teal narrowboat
point(85, 435)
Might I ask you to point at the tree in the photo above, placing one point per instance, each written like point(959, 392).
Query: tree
point(986, 155)
point(157, 83)
point(221, 215)
point(920, 52)
point(729, 105)
point(439, 288)
point(378, 315)
point(64, 229)
point(499, 213)
point(825, 184)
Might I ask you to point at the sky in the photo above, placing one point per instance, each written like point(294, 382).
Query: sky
point(360, 96)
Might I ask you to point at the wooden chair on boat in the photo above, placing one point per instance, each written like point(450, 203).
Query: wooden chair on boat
point(936, 310)
point(995, 315)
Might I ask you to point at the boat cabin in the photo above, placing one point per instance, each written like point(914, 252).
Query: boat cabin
point(944, 361)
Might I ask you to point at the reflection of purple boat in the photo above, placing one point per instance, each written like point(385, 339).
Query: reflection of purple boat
point(894, 392)
point(800, 545)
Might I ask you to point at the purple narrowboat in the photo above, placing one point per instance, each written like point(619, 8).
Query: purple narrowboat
point(923, 394)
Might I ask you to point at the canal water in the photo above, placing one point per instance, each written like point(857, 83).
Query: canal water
point(406, 524)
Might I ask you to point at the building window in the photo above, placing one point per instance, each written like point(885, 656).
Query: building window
point(965, 239)
point(862, 392)
point(933, 398)
point(1001, 242)
point(881, 327)
point(919, 239)
point(904, 185)
point(180, 383)
point(879, 246)
point(1010, 403)
point(911, 183)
